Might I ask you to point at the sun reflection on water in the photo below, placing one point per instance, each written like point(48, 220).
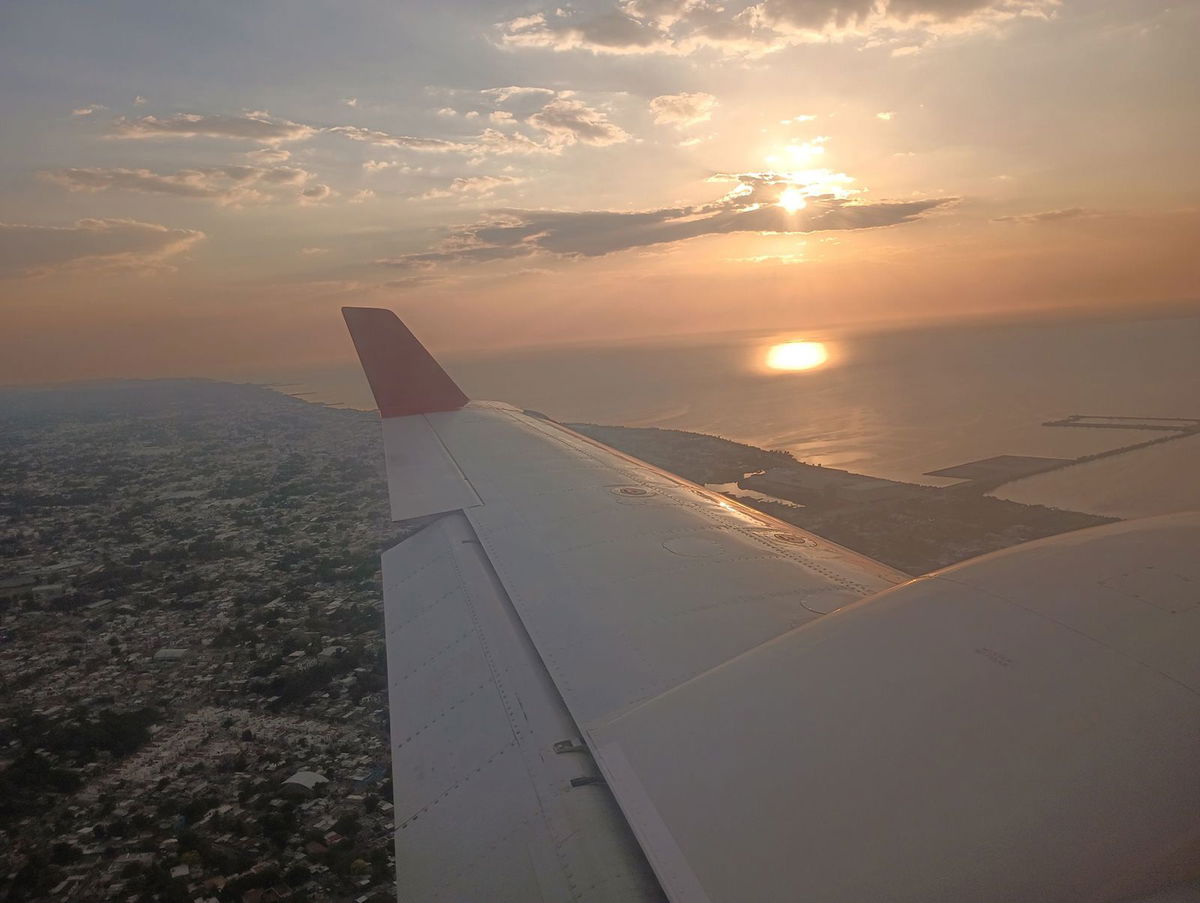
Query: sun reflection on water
point(797, 356)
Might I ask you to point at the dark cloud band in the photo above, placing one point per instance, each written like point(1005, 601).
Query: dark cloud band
point(519, 233)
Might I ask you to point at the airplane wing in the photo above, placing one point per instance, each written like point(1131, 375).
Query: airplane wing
point(607, 683)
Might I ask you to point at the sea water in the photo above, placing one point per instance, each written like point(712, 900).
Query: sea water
point(894, 404)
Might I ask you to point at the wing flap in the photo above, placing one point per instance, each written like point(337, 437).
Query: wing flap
point(484, 807)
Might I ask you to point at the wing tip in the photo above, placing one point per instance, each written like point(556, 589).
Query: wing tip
point(404, 377)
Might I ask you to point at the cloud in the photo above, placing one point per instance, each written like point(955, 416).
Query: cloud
point(476, 185)
point(373, 166)
point(663, 12)
point(350, 101)
point(362, 196)
point(570, 121)
point(518, 102)
point(682, 109)
point(813, 20)
point(88, 110)
point(316, 194)
point(90, 244)
point(313, 252)
point(1049, 216)
point(562, 121)
point(268, 155)
point(260, 127)
point(611, 32)
point(785, 259)
point(503, 95)
point(493, 141)
point(753, 29)
point(752, 207)
point(489, 141)
point(233, 184)
point(805, 183)
point(386, 139)
point(139, 100)
point(890, 114)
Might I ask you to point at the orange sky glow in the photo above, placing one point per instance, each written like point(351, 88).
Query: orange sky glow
point(201, 194)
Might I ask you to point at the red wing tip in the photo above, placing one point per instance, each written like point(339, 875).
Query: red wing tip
point(357, 317)
point(404, 376)
point(349, 312)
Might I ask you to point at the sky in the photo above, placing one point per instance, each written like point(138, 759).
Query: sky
point(197, 188)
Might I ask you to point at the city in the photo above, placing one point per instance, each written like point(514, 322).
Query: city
point(190, 651)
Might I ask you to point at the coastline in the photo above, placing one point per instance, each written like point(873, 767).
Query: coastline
point(909, 526)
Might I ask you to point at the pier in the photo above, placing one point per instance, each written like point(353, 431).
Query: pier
point(990, 474)
point(1105, 422)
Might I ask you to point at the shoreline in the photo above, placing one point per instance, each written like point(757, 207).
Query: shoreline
point(909, 526)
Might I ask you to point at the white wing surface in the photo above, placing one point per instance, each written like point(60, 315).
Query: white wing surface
point(1020, 728)
point(485, 807)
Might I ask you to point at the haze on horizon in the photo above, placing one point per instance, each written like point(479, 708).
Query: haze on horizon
point(190, 187)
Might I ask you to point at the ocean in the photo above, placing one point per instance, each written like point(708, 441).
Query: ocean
point(893, 404)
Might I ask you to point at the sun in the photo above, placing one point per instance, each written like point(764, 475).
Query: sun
point(792, 200)
point(797, 356)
